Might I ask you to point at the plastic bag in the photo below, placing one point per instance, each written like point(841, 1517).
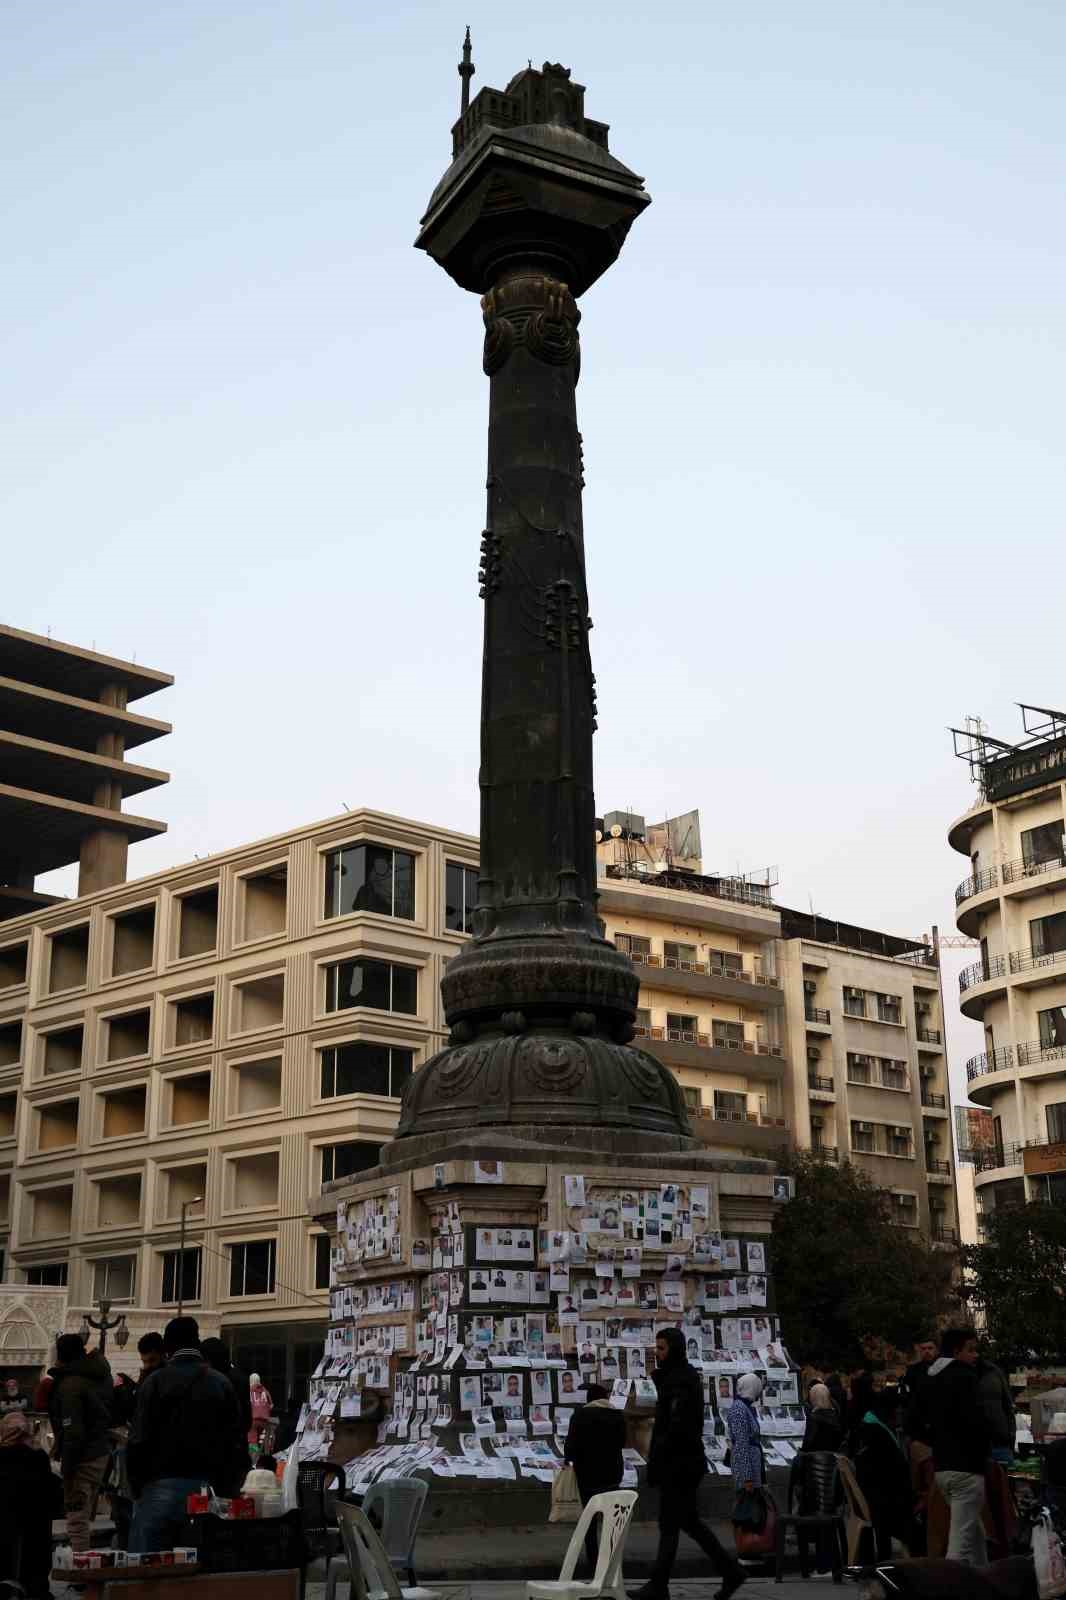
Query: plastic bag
point(1048, 1560)
point(290, 1499)
point(566, 1502)
point(762, 1540)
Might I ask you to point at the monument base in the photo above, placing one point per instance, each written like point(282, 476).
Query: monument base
point(483, 1280)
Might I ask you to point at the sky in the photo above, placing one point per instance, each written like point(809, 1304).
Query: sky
point(244, 421)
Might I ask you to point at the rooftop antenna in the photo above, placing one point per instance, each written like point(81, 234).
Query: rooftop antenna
point(466, 72)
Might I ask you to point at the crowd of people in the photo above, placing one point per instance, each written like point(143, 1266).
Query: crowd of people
point(187, 1420)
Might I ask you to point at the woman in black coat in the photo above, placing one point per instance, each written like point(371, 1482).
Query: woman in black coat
point(594, 1444)
point(30, 1496)
point(676, 1466)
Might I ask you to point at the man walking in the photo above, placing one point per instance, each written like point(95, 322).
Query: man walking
point(958, 1433)
point(79, 1405)
point(186, 1432)
point(594, 1445)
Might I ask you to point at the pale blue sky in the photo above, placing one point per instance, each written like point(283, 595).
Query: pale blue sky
point(821, 401)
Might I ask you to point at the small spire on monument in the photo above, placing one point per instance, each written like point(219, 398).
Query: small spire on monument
point(466, 72)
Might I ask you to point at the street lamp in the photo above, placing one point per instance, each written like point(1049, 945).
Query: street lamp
point(196, 1200)
point(103, 1324)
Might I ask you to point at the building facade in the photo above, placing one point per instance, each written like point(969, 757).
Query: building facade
point(1012, 903)
point(868, 1067)
point(213, 1042)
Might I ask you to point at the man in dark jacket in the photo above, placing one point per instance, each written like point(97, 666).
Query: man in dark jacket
point(676, 1465)
point(186, 1432)
point(217, 1356)
point(79, 1405)
point(959, 1436)
point(594, 1446)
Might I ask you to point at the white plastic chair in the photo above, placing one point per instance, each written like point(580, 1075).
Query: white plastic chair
point(399, 1503)
point(366, 1564)
point(616, 1509)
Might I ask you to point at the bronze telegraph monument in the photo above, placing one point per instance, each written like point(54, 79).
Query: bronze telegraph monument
point(533, 209)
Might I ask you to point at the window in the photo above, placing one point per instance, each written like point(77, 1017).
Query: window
point(14, 963)
point(364, 1067)
point(460, 897)
point(113, 1278)
point(854, 1002)
point(642, 1021)
point(68, 959)
point(858, 1068)
point(727, 961)
point(322, 1262)
point(899, 1142)
point(692, 1097)
point(893, 1075)
point(190, 1276)
point(730, 1105)
point(197, 918)
point(370, 877)
point(380, 984)
point(1047, 935)
point(251, 1267)
point(1042, 844)
point(862, 1136)
point(132, 941)
point(1056, 1122)
point(889, 1008)
point(11, 1044)
point(680, 1027)
point(727, 1035)
point(1052, 1027)
point(633, 945)
point(49, 1275)
point(62, 1050)
point(341, 1160)
point(679, 955)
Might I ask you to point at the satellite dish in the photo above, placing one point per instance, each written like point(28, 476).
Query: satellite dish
point(616, 831)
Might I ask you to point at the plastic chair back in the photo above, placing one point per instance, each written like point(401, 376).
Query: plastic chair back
point(616, 1508)
point(371, 1570)
point(399, 1502)
point(311, 1480)
point(857, 1520)
point(819, 1484)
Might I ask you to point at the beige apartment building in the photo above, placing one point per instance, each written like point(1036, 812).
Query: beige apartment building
point(1012, 903)
point(217, 1040)
point(869, 1071)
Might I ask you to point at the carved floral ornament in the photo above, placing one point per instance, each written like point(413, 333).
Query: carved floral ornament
point(537, 312)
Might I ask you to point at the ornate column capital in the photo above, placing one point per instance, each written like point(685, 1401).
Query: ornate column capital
point(535, 311)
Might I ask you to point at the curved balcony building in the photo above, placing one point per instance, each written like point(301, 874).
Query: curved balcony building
point(1013, 903)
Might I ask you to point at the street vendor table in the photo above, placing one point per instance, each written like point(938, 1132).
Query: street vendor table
point(162, 1583)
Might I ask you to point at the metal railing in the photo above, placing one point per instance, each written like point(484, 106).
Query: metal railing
point(982, 972)
point(935, 1102)
point(710, 969)
point(929, 1036)
point(719, 1114)
point(1034, 1051)
point(935, 1164)
point(815, 1014)
point(945, 1236)
point(989, 1061)
point(747, 1047)
point(1031, 960)
point(1016, 871)
point(825, 1152)
point(737, 889)
point(924, 957)
point(977, 884)
point(825, 1085)
point(999, 1155)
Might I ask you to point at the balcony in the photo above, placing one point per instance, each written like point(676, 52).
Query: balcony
point(944, 1235)
point(820, 1085)
point(999, 1155)
point(1017, 871)
point(990, 1061)
point(825, 1152)
point(1034, 1052)
point(937, 1168)
point(929, 1036)
point(738, 1129)
point(685, 1048)
point(1024, 961)
point(754, 987)
point(814, 1014)
point(977, 884)
point(982, 972)
point(934, 1102)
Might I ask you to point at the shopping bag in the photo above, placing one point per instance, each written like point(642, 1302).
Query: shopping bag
point(749, 1510)
point(761, 1541)
point(566, 1502)
point(1048, 1560)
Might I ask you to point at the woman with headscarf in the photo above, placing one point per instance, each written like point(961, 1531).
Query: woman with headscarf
point(825, 1430)
point(676, 1466)
point(30, 1496)
point(745, 1434)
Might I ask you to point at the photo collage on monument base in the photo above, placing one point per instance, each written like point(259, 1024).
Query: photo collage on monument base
point(512, 1323)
